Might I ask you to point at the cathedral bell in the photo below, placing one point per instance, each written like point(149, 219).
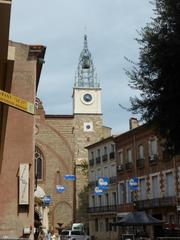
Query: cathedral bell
point(86, 62)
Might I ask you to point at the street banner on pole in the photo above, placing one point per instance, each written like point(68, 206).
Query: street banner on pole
point(70, 177)
point(98, 191)
point(103, 183)
point(133, 183)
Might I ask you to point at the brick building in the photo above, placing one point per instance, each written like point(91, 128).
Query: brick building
point(102, 206)
point(61, 142)
point(22, 74)
point(140, 155)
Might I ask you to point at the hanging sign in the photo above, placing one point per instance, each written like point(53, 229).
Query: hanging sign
point(47, 200)
point(103, 183)
point(59, 188)
point(98, 191)
point(133, 183)
point(70, 177)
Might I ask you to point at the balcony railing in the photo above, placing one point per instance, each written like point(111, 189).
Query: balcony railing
point(120, 167)
point(105, 157)
point(156, 203)
point(108, 208)
point(140, 162)
point(112, 155)
point(98, 160)
point(153, 159)
point(91, 162)
point(128, 165)
point(113, 179)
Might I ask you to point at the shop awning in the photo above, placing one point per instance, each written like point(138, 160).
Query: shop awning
point(137, 218)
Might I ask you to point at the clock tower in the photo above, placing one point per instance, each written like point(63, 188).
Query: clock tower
point(88, 126)
point(86, 91)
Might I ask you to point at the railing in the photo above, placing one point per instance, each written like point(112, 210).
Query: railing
point(105, 157)
point(153, 159)
point(91, 162)
point(108, 208)
point(156, 202)
point(168, 238)
point(113, 179)
point(112, 155)
point(120, 168)
point(128, 165)
point(98, 160)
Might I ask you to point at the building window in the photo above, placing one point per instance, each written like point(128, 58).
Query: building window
point(114, 198)
point(114, 228)
point(106, 172)
point(129, 155)
point(120, 158)
point(98, 173)
point(106, 199)
point(105, 150)
point(113, 171)
point(91, 176)
point(38, 164)
point(140, 151)
point(153, 147)
point(99, 200)
point(93, 201)
point(122, 193)
point(169, 184)
point(92, 155)
point(142, 189)
point(96, 225)
point(107, 224)
point(112, 148)
point(155, 187)
point(98, 153)
point(129, 193)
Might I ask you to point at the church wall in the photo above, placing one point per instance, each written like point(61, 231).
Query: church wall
point(55, 140)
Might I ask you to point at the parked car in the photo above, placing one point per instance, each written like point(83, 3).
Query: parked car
point(74, 235)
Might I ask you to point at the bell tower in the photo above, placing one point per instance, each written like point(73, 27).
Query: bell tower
point(86, 91)
point(88, 126)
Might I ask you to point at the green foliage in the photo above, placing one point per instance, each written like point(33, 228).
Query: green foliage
point(84, 167)
point(82, 214)
point(157, 73)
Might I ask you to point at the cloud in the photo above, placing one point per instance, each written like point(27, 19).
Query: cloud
point(111, 27)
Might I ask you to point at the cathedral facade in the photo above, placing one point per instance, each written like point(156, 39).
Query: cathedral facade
point(61, 141)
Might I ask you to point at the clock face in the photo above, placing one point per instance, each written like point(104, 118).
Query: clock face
point(87, 97)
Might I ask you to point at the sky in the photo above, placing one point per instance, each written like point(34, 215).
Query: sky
point(111, 27)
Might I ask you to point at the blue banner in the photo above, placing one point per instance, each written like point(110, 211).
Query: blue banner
point(98, 191)
point(133, 183)
point(59, 188)
point(103, 183)
point(47, 200)
point(70, 177)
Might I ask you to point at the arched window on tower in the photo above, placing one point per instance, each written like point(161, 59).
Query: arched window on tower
point(38, 164)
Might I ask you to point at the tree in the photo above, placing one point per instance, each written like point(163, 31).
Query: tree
point(157, 73)
point(84, 167)
point(82, 213)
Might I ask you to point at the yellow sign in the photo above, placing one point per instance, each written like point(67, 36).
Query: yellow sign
point(16, 102)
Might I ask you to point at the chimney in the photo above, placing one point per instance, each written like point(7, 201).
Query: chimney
point(133, 123)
